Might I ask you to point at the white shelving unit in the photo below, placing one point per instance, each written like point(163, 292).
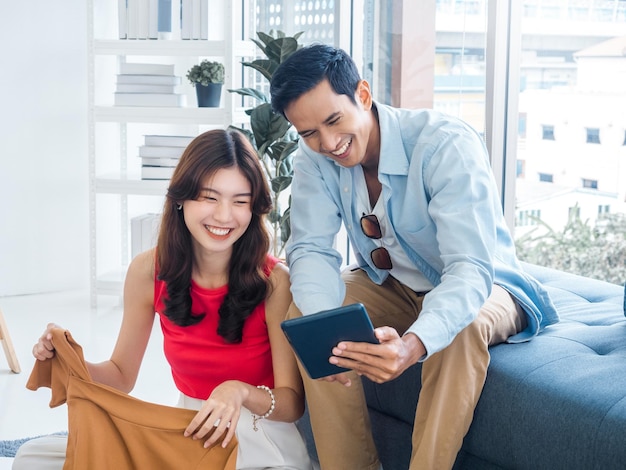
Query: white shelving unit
point(123, 183)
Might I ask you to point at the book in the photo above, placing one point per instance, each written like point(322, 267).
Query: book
point(153, 19)
point(160, 151)
point(150, 231)
point(204, 19)
point(168, 140)
point(196, 20)
point(142, 88)
point(136, 68)
point(142, 19)
point(121, 19)
point(156, 172)
point(159, 161)
point(164, 16)
point(149, 79)
point(144, 231)
point(150, 99)
point(186, 19)
point(132, 18)
point(135, 235)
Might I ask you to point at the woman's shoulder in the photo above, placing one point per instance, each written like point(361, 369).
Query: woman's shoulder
point(143, 264)
point(276, 270)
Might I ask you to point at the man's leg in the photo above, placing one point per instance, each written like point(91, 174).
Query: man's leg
point(339, 415)
point(453, 379)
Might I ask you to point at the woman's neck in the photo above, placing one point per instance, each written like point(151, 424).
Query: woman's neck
point(210, 270)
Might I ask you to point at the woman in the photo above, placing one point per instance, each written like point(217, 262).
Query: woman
point(220, 298)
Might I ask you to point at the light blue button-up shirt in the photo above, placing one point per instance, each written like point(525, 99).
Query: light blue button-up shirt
point(442, 201)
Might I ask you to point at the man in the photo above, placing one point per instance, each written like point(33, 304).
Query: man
point(436, 271)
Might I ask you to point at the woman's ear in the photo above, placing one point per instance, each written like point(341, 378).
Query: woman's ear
point(364, 95)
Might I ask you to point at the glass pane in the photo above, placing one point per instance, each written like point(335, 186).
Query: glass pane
point(460, 66)
point(571, 168)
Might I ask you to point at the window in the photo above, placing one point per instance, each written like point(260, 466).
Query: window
point(547, 132)
point(593, 135)
point(604, 209)
point(573, 213)
point(528, 217)
point(563, 65)
point(545, 177)
point(590, 184)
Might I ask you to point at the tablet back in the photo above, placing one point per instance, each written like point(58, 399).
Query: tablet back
point(313, 337)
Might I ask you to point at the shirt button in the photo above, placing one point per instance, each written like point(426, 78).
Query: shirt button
point(345, 190)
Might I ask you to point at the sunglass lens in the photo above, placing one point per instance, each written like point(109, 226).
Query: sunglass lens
point(381, 258)
point(371, 227)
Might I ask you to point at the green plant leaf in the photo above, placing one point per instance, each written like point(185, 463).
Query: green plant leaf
point(280, 183)
point(279, 49)
point(267, 126)
point(253, 92)
point(284, 149)
point(273, 217)
point(285, 224)
point(264, 66)
point(266, 38)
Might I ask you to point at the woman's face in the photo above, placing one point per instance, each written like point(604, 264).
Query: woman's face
point(222, 212)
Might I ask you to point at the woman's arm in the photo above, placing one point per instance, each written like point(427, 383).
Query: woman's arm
point(288, 388)
point(121, 370)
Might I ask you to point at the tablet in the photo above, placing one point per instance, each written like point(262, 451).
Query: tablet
point(313, 337)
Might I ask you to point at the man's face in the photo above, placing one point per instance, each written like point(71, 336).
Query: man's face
point(332, 124)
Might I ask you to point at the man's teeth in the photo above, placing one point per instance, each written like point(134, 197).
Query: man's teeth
point(218, 231)
point(343, 148)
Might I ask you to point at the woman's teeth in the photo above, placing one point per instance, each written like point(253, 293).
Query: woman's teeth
point(218, 231)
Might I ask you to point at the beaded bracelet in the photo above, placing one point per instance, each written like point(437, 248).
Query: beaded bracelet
point(256, 418)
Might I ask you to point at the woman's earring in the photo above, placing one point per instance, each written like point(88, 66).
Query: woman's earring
point(179, 206)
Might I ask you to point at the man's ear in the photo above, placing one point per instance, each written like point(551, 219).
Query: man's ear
point(364, 95)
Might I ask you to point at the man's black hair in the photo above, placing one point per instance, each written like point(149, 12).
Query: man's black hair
point(309, 66)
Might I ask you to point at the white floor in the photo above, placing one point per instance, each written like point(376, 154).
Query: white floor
point(25, 413)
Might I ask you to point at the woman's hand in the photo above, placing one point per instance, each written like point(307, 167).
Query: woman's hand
point(219, 414)
point(44, 349)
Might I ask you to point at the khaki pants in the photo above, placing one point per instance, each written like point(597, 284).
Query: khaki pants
point(452, 381)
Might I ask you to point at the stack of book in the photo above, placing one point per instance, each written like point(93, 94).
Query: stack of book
point(160, 155)
point(144, 231)
point(163, 19)
point(147, 85)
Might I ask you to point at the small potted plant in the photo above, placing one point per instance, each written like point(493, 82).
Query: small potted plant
point(208, 78)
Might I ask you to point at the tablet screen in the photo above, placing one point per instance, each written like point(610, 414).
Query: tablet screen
point(313, 337)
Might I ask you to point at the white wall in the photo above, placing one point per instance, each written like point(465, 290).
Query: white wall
point(44, 236)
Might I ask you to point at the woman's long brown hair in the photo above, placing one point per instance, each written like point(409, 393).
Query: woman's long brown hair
point(247, 283)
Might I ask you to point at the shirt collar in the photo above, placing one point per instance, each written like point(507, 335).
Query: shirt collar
point(393, 159)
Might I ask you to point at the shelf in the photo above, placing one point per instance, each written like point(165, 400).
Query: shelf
point(161, 47)
point(111, 283)
point(112, 185)
point(129, 122)
point(167, 115)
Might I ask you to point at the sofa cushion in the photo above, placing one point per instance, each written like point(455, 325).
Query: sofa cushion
point(558, 401)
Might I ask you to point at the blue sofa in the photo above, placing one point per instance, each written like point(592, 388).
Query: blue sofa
point(556, 402)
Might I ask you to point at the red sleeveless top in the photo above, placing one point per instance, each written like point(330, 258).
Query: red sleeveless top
point(200, 359)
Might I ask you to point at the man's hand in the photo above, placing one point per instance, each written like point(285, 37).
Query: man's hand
point(378, 362)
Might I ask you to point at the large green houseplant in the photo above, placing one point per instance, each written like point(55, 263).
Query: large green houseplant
point(271, 134)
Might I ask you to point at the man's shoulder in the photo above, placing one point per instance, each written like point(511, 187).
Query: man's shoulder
point(421, 118)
